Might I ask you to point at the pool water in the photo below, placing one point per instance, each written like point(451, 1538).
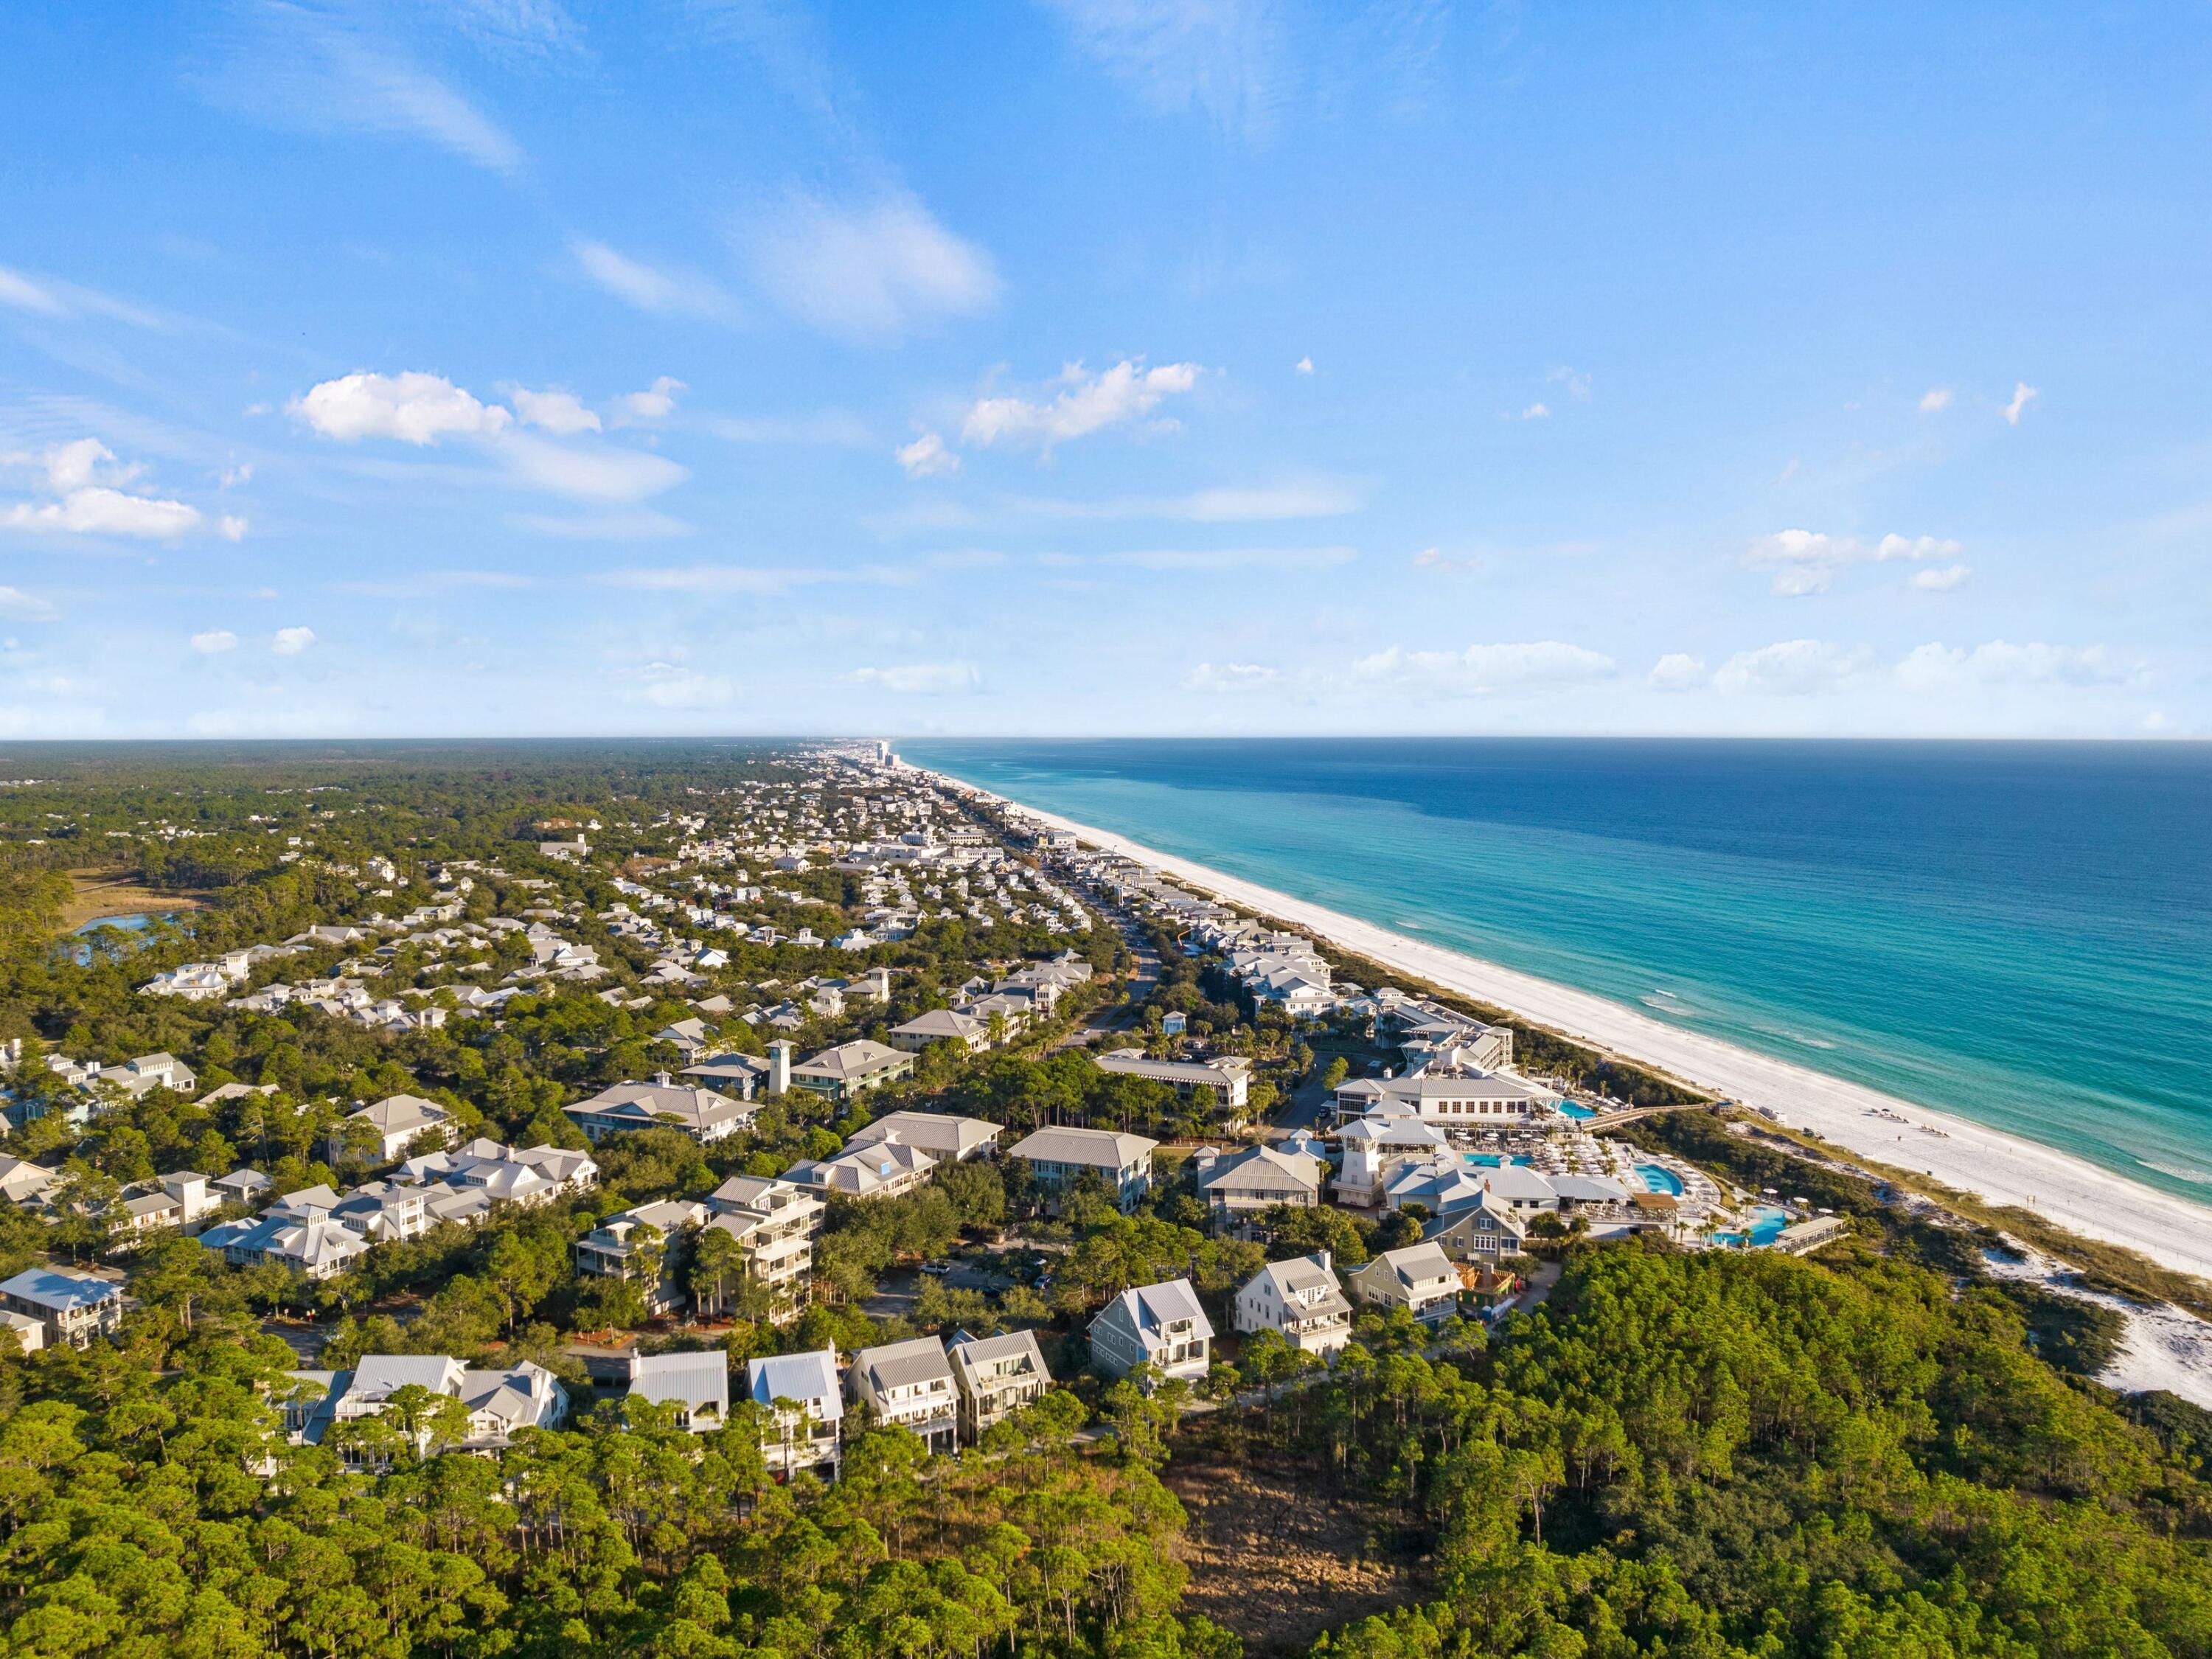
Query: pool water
point(1568, 1108)
point(1492, 1160)
point(1767, 1222)
point(1658, 1178)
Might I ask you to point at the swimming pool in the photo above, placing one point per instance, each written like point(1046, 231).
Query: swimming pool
point(1492, 1160)
point(1658, 1178)
point(1767, 1222)
point(1568, 1108)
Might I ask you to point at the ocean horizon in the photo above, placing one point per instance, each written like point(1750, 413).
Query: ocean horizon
point(2020, 934)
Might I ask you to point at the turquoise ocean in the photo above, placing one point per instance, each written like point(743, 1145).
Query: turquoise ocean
point(2020, 934)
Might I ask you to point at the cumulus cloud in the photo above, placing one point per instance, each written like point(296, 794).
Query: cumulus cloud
point(1937, 667)
point(654, 289)
point(870, 271)
point(561, 413)
point(2023, 394)
point(415, 408)
point(920, 678)
point(1483, 670)
point(20, 606)
point(89, 486)
point(1231, 677)
point(926, 457)
point(291, 642)
point(1941, 579)
point(1536, 412)
point(213, 641)
point(1435, 558)
point(1809, 559)
point(1790, 668)
point(656, 402)
point(1578, 384)
point(1303, 365)
point(1678, 671)
point(673, 685)
point(1935, 399)
point(1085, 404)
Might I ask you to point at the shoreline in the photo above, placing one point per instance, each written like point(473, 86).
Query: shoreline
point(1998, 1167)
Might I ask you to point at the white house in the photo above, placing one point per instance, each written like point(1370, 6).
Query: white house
point(1057, 1157)
point(703, 1113)
point(1230, 1077)
point(997, 1376)
point(910, 1385)
point(697, 1384)
point(942, 1136)
point(805, 1405)
point(1237, 1185)
point(398, 1122)
point(73, 1308)
point(1300, 1298)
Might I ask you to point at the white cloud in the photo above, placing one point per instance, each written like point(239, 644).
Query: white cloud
point(656, 402)
point(717, 579)
point(1577, 385)
point(1307, 498)
point(1678, 671)
point(47, 296)
point(17, 604)
point(1303, 365)
point(1227, 57)
point(1790, 668)
point(834, 428)
point(233, 477)
point(1483, 670)
point(2023, 394)
point(1536, 412)
point(413, 407)
point(673, 685)
point(1934, 399)
point(291, 642)
point(561, 413)
point(1936, 666)
point(1085, 403)
point(213, 641)
point(872, 270)
point(920, 678)
point(73, 465)
point(600, 473)
point(21, 292)
point(1940, 579)
point(1809, 559)
point(664, 293)
point(1230, 677)
point(1234, 558)
point(926, 457)
point(637, 525)
point(98, 511)
point(1435, 558)
point(323, 73)
point(232, 527)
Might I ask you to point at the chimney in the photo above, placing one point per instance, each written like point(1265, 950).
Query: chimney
point(779, 1067)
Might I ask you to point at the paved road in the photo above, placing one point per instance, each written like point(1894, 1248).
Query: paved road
point(1144, 976)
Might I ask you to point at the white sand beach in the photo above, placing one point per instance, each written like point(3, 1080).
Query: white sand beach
point(1999, 1167)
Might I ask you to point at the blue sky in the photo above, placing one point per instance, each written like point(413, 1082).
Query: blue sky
point(1103, 366)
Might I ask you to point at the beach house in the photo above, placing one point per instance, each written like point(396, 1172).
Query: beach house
point(997, 1376)
point(71, 1307)
point(697, 1384)
point(704, 1114)
point(1229, 1076)
point(910, 1385)
point(804, 1410)
point(1419, 1277)
point(851, 1069)
point(1161, 1326)
point(1300, 1298)
point(1235, 1186)
point(1057, 1157)
point(945, 1137)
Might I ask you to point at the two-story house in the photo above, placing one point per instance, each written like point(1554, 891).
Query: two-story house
point(1058, 1158)
point(997, 1376)
point(1300, 1298)
point(1162, 1325)
point(1419, 1277)
point(909, 1384)
point(804, 1404)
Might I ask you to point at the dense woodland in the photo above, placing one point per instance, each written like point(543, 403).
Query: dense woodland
point(1701, 1456)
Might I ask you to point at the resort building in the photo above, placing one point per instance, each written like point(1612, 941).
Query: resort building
point(397, 1122)
point(1238, 1186)
point(1057, 1157)
point(804, 1410)
point(911, 1385)
point(1300, 1298)
point(851, 1069)
point(774, 1223)
point(1230, 1077)
point(1162, 1325)
point(881, 1169)
point(646, 1245)
point(701, 1114)
point(945, 1137)
point(997, 1376)
point(71, 1308)
point(1474, 1101)
point(941, 1026)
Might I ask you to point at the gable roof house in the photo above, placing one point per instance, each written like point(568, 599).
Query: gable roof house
point(1302, 1299)
point(774, 1224)
point(620, 1247)
point(997, 1376)
point(1158, 1325)
point(941, 1026)
point(808, 1434)
point(498, 1403)
point(909, 1384)
point(1230, 1077)
point(1481, 1232)
point(697, 1384)
point(701, 1114)
point(23, 1182)
point(739, 1076)
point(878, 1169)
point(1419, 1277)
point(689, 1037)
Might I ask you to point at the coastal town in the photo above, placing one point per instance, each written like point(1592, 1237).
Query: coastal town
point(1251, 1099)
point(708, 1151)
